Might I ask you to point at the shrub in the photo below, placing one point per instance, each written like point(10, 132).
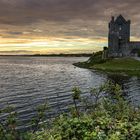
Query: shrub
point(109, 117)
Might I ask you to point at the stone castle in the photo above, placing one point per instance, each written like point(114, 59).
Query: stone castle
point(119, 44)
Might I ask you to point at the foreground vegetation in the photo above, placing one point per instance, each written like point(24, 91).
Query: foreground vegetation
point(124, 66)
point(109, 117)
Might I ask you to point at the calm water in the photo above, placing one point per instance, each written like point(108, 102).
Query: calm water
point(26, 82)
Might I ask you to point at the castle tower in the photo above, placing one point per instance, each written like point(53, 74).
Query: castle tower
point(119, 36)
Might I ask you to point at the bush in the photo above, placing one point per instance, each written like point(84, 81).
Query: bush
point(109, 117)
point(96, 58)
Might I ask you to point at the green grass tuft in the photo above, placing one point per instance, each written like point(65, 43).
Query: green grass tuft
point(127, 66)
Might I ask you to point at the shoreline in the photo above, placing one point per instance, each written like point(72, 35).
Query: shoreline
point(123, 66)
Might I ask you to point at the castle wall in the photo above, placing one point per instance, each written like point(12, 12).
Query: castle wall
point(119, 44)
point(125, 49)
point(134, 45)
point(119, 36)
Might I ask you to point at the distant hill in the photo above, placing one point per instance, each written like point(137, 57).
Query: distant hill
point(56, 55)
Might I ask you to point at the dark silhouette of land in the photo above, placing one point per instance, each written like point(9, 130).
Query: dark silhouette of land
point(54, 55)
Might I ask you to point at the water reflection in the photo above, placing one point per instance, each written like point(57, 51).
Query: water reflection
point(130, 85)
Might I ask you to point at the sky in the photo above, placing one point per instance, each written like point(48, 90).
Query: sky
point(61, 26)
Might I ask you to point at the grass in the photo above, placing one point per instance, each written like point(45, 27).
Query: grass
point(127, 66)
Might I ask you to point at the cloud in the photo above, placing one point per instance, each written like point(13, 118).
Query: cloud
point(61, 12)
point(14, 33)
point(15, 52)
point(68, 19)
point(28, 11)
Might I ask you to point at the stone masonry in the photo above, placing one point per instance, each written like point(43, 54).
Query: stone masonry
point(119, 44)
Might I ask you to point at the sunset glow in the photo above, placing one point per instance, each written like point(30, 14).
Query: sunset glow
point(50, 45)
point(60, 26)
